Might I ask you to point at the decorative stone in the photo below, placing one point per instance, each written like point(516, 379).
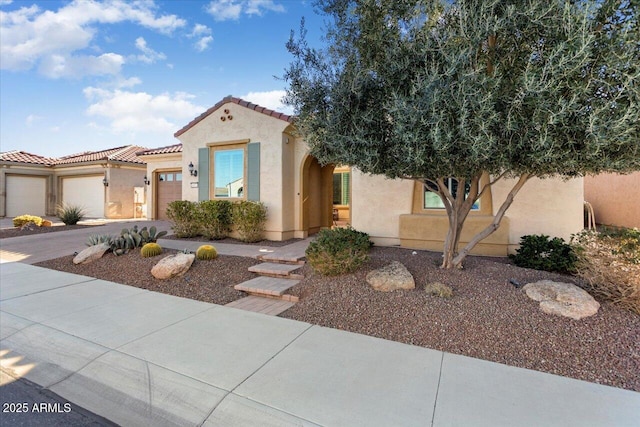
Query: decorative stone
point(562, 299)
point(46, 223)
point(28, 226)
point(172, 265)
point(391, 277)
point(91, 254)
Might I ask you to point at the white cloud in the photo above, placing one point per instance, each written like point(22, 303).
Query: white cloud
point(203, 44)
point(270, 99)
point(29, 35)
point(149, 56)
point(257, 7)
point(139, 111)
point(31, 118)
point(225, 10)
point(5, 2)
point(204, 37)
point(57, 66)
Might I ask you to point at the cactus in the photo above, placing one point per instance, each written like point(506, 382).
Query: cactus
point(206, 252)
point(96, 239)
point(151, 250)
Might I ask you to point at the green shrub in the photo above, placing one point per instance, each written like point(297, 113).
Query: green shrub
point(150, 250)
point(439, 290)
point(215, 218)
point(609, 264)
point(249, 219)
point(184, 217)
point(539, 252)
point(70, 214)
point(21, 220)
point(206, 252)
point(338, 251)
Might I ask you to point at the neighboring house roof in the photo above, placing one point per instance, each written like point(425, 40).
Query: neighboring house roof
point(242, 103)
point(176, 148)
point(127, 153)
point(24, 157)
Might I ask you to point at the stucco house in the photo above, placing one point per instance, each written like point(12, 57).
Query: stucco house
point(236, 145)
point(107, 184)
point(615, 198)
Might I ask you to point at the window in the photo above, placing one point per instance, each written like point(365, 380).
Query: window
point(433, 201)
point(341, 188)
point(228, 173)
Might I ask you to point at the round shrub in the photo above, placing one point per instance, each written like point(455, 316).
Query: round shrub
point(205, 252)
point(184, 216)
point(542, 253)
point(150, 250)
point(21, 220)
point(249, 219)
point(214, 218)
point(338, 251)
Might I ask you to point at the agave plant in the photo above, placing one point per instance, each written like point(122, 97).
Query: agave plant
point(97, 239)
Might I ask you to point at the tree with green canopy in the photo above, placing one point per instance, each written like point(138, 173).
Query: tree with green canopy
point(440, 90)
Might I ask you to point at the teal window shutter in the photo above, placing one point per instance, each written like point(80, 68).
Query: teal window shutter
point(253, 171)
point(203, 174)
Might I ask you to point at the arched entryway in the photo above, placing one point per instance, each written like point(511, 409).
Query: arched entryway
point(316, 196)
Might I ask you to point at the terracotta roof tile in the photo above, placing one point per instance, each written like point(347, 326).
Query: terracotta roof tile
point(126, 153)
point(24, 157)
point(176, 148)
point(242, 103)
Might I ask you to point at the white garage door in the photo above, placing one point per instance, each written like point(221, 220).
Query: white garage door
point(87, 192)
point(26, 195)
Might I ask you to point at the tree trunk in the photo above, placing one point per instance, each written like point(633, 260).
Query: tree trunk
point(452, 259)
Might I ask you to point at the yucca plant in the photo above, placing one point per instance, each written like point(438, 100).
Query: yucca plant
point(70, 214)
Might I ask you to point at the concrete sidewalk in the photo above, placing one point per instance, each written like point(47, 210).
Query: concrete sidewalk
point(141, 358)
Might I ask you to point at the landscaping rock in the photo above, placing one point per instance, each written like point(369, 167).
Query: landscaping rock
point(391, 277)
point(29, 226)
point(562, 299)
point(91, 254)
point(173, 265)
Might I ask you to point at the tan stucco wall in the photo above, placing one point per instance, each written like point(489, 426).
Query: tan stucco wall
point(543, 206)
point(158, 163)
point(120, 193)
point(376, 205)
point(615, 198)
point(257, 127)
point(551, 206)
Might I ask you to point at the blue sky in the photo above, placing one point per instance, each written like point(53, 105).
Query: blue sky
point(88, 75)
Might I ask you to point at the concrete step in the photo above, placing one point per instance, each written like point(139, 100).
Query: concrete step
point(262, 305)
point(282, 259)
point(265, 285)
point(273, 269)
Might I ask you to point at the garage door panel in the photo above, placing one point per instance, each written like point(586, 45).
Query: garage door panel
point(87, 192)
point(169, 185)
point(26, 195)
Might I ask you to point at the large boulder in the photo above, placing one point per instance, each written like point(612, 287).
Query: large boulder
point(91, 254)
point(391, 277)
point(562, 299)
point(173, 265)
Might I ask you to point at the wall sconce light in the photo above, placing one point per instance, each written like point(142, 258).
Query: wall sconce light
point(192, 169)
point(105, 182)
point(146, 180)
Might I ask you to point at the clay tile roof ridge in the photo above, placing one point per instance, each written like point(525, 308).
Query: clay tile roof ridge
point(242, 103)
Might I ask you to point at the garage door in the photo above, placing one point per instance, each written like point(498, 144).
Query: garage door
point(169, 185)
point(87, 192)
point(26, 195)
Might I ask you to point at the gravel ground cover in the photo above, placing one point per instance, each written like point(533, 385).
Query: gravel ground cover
point(487, 317)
